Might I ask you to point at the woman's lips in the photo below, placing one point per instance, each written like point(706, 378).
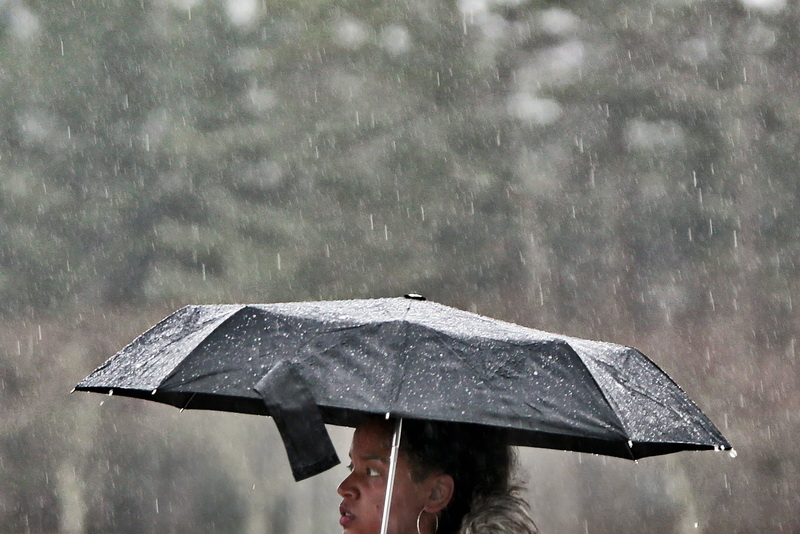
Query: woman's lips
point(346, 518)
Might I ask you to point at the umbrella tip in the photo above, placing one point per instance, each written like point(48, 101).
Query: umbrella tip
point(414, 296)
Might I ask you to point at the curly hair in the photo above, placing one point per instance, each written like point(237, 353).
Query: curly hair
point(501, 513)
point(477, 457)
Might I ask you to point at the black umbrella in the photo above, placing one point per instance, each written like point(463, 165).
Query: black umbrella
point(307, 363)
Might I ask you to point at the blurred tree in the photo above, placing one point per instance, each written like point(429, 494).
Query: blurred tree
point(204, 145)
point(658, 135)
point(166, 151)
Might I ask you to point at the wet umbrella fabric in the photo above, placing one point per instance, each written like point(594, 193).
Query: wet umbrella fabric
point(307, 363)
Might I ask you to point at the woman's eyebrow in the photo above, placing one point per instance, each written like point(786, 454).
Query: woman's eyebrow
point(375, 457)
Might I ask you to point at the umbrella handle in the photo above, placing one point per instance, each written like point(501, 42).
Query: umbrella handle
point(398, 430)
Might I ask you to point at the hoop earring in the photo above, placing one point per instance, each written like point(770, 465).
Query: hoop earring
point(436, 517)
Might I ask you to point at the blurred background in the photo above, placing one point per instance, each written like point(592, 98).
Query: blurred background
point(625, 171)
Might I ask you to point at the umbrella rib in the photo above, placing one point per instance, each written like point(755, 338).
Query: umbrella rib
point(311, 354)
point(201, 376)
point(666, 406)
point(188, 401)
point(610, 404)
point(174, 371)
point(398, 384)
point(466, 361)
point(404, 352)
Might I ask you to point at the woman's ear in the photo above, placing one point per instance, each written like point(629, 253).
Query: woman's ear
point(441, 491)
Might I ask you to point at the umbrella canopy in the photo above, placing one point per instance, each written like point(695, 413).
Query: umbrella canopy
point(307, 363)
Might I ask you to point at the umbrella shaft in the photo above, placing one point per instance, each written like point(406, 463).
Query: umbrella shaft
point(398, 430)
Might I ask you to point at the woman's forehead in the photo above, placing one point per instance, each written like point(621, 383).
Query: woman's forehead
point(374, 435)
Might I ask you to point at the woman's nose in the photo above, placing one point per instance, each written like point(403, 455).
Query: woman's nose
point(346, 488)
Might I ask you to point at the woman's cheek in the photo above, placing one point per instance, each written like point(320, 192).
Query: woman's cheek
point(376, 482)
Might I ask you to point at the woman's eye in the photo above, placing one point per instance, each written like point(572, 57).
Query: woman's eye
point(350, 467)
point(373, 472)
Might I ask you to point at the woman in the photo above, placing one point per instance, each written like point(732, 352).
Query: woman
point(447, 474)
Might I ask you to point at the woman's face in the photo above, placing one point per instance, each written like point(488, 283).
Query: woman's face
point(363, 491)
